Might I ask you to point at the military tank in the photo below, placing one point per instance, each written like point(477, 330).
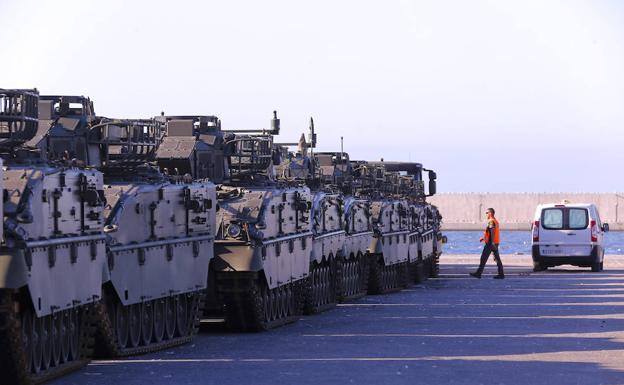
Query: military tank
point(53, 252)
point(159, 229)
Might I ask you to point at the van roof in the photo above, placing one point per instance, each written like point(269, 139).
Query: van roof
point(551, 205)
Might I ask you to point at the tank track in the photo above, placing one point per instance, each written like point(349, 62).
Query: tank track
point(321, 287)
point(15, 366)
point(250, 306)
point(419, 271)
point(107, 343)
point(387, 278)
point(434, 266)
point(353, 283)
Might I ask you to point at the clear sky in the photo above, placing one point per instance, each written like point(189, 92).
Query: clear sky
point(494, 95)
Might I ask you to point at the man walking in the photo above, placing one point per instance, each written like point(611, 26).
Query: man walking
point(491, 238)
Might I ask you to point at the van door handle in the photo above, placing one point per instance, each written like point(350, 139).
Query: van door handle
point(571, 233)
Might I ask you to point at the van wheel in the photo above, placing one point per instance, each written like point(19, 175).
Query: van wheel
point(538, 267)
point(596, 266)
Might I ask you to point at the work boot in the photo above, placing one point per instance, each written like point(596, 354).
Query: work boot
point(499, 276)
point(476, 275)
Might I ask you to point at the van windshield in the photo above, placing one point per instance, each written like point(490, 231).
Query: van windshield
point(565, 218)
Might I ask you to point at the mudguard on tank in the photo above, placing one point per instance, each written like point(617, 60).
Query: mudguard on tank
point(265, 229)
point(160, 238)
point(391, 231)
point(54, 237)
point(327, 227)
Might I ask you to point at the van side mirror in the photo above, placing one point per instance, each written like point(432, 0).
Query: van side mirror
point(432, 183)
point(605, 227)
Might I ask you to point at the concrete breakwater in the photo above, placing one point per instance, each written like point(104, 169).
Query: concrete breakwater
point(465, 211)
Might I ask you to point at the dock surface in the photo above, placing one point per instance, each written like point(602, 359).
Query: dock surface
point(562, 326)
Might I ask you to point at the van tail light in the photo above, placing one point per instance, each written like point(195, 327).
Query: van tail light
point(536, 231)
point(594, 231)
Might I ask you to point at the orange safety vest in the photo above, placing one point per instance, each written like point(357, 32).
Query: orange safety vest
point(495, 231)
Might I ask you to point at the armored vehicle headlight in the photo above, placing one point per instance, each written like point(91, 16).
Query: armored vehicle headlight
point(234, 230)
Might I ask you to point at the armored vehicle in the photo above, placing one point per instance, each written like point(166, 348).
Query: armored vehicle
point(263, 234)
point(424, 239)
point(52, 255)
point(159, 229)
point(341, 225)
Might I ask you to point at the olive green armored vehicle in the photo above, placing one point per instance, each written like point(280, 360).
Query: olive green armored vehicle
point(52, 255)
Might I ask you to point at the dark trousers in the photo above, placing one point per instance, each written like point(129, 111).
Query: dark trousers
point(488, 249)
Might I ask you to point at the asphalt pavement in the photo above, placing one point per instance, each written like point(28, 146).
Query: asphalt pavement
point(562, 326)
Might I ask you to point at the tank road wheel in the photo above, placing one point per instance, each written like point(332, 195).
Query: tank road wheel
point(286, 300)
point(37, 342)
point(55, 338)
point(44, 339)
point(147, 322)
point(328, 286)
point(320, 286)
point(74, 334)
point(64, 335)
point(313, 289)
point(347, 278)
point(134, 324)
point(317, 287)
point(351, 278)
point(278, 302)
point(419, 272)
point(28, 337)
point(159, 319)
point(121, 324)
point(375, 278)
point(274, 311)
point(281, 303)
point(182, 315)
point(290, 300)
point(266, 303)
point(170, 317)
point(384, 277)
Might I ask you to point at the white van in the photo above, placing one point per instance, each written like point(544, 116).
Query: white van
point(569, 234)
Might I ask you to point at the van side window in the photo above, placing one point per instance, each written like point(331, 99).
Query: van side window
point(552, 219)
point(578, 219)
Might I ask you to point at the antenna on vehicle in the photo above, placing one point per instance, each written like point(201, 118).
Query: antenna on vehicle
point(341, 148)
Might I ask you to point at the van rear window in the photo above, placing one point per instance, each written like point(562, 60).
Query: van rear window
point(577, 219)
point(565, 219)
point(552, 219)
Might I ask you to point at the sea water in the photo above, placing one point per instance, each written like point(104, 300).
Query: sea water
point(514, 242)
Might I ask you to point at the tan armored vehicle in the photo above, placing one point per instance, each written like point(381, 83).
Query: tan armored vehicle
point(341, 224)
point(159, 230)
point(53, 253)
point(263, 234)
point(424, 240)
